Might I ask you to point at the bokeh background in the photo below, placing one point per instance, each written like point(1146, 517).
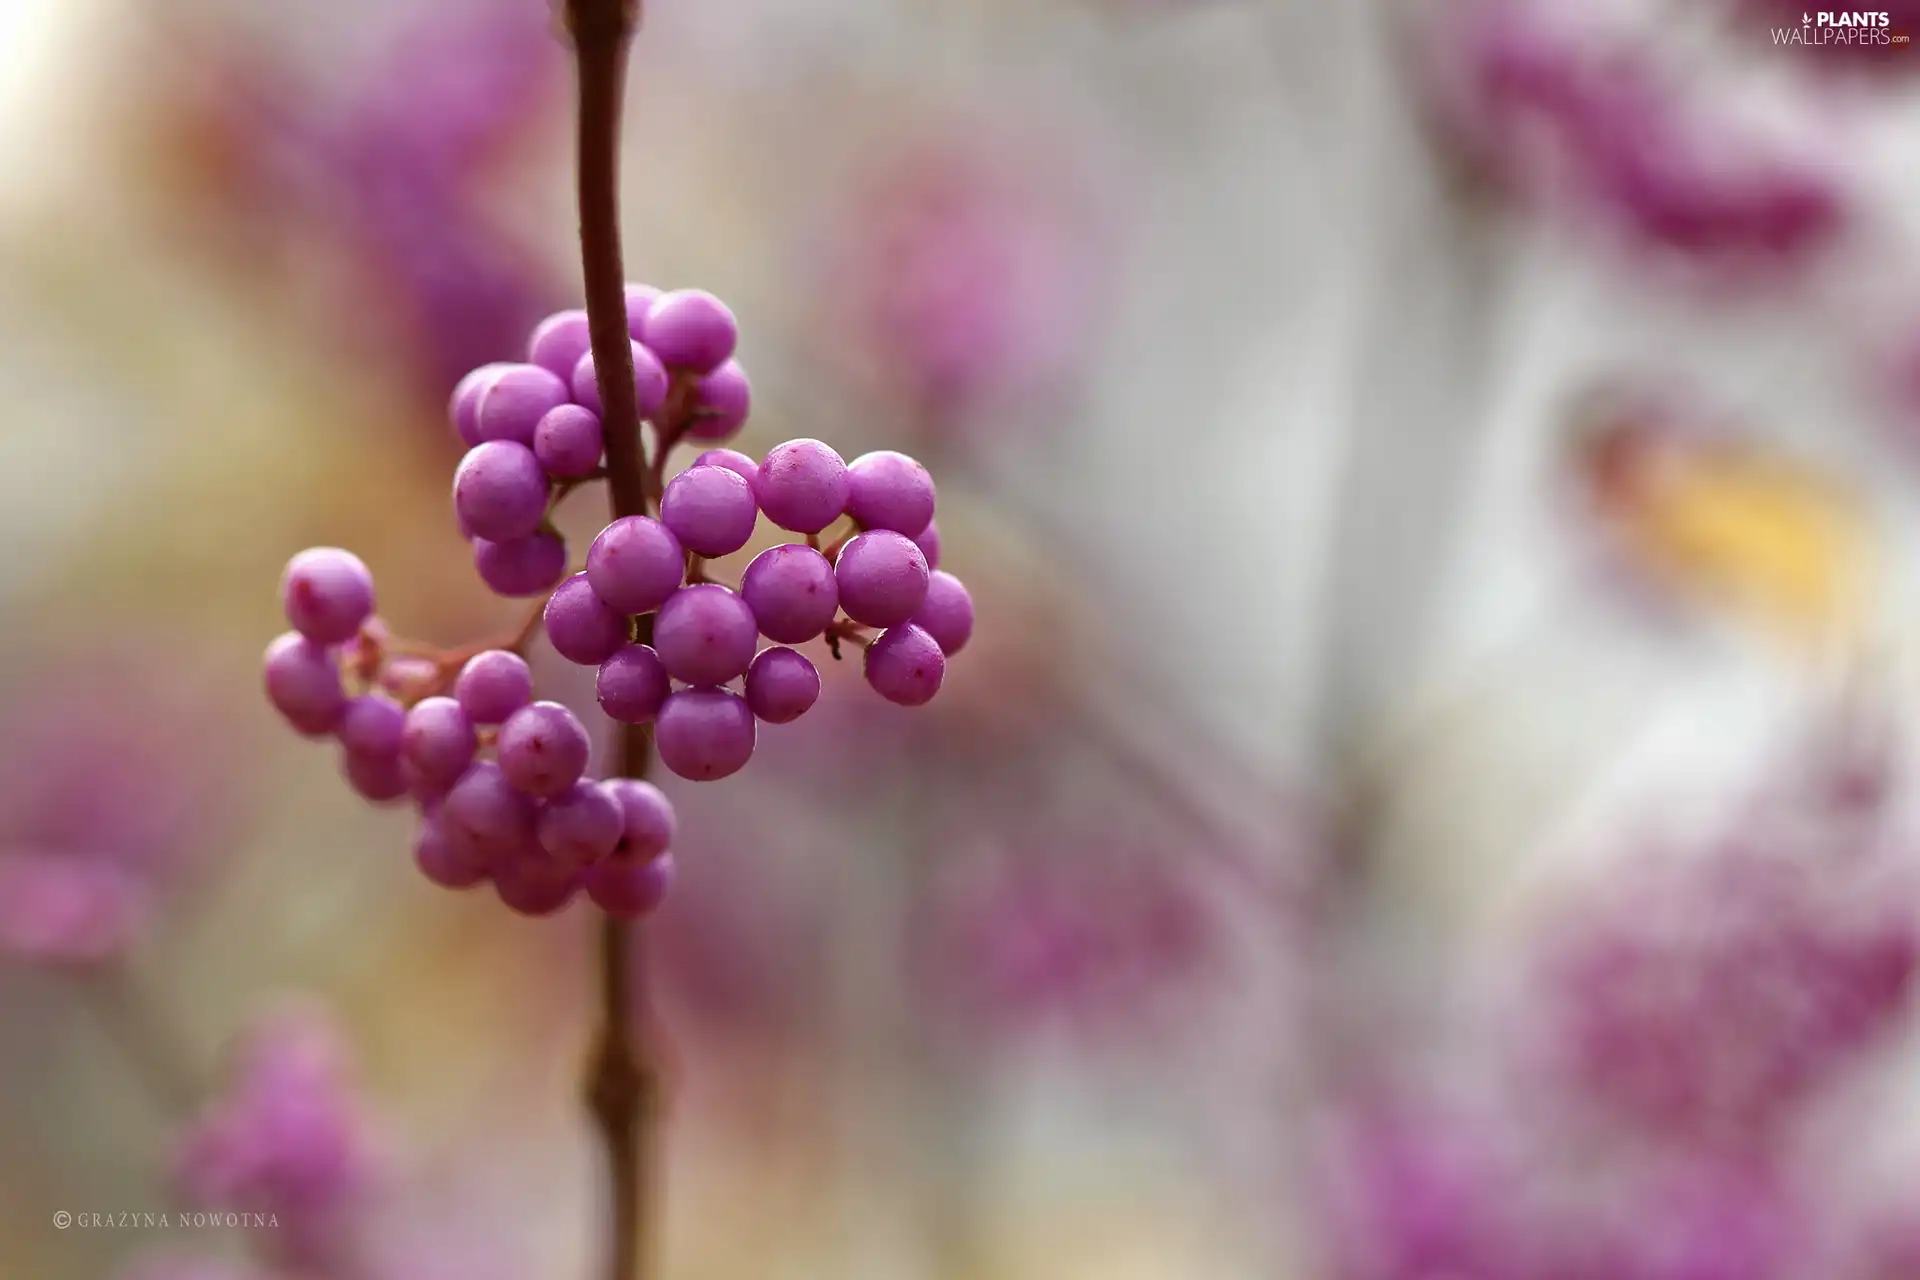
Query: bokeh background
point(1429, 794)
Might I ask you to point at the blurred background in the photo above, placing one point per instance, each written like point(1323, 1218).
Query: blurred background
point(1429, 796)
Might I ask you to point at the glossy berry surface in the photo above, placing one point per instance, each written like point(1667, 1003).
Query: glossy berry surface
point(326, 594)
point(705, 734)
point(882, 578)
point(889, 490)
point(781, 685)
point(711, 510)
point(905, 666)
point(704, 635)
point(803, 486)
point(792, 592)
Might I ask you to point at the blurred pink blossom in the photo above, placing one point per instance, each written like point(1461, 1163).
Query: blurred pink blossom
point(1588, 121)
point(966, 275)
point(288, 1137)
point(101, 812)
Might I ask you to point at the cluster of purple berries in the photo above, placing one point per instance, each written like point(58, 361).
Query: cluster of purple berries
point(527, 818)
point(534, 429)
point(705, 635)
point(500, 778)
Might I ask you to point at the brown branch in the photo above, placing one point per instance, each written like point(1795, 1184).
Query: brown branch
point(621, 1079)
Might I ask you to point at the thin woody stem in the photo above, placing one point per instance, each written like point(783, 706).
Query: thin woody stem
point(621, 1078)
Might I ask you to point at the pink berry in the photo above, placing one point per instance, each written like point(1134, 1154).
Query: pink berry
point(486, 813)
point(781, 685)
point(632, 684)
point(327, 594)
point(582, 628)
point(947, 613)
point(639, 298)
point(690, 329)
point(303, 683)
point(515, 401)
point(635, 564)
point(531, 885)
point(882, 578)
point(493, 685)
point(559, 341)
point(705, 734)
point(543, 749)
point(890, 491)
point(521, 567)
point(465, 402)
point(568, 441)
point(443, 861)
point(792, 591)
point(581, 825)
point(437, 740)
point(650, 383)
point(376, 778)
point(803, 486)
point(710, 510)
point(905, 666)
point(629, 890)
point(371, 726)
point(928, 540)
point(648, 824)
point(720, 403)
point(500, 491)
point(704, 635)
point(733, 460)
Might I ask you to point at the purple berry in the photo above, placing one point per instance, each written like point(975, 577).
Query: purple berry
point(371, 726)
point(928, 540)
point(629, 890)
point(632, 684)
point(568, 441)
point(521, 566)
point(529, 884)
point(647, 820)
point(543, 749)
point(327, 594)
point(515, 401)
point(303, 683)
point(443, 861)
point(650, 382)
point(639, 298)
point(733, 460)
point(493, 685)
point(720, 403)
point(904, 665)
point(581, 825)
point(710, 509)
point(947, 613)
point(581, 626)
point(705, 734)
point(500, 491)
point(465, 402)
point(889, 490)
point(488, 814)
point(781, 685)
point(792, 592)
point(690, 329)
point(635, 564)
point(376, 778)
point(803, 486)
point(704, 635)
point(437, 741)
point(882, 577)
point(559, 341)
